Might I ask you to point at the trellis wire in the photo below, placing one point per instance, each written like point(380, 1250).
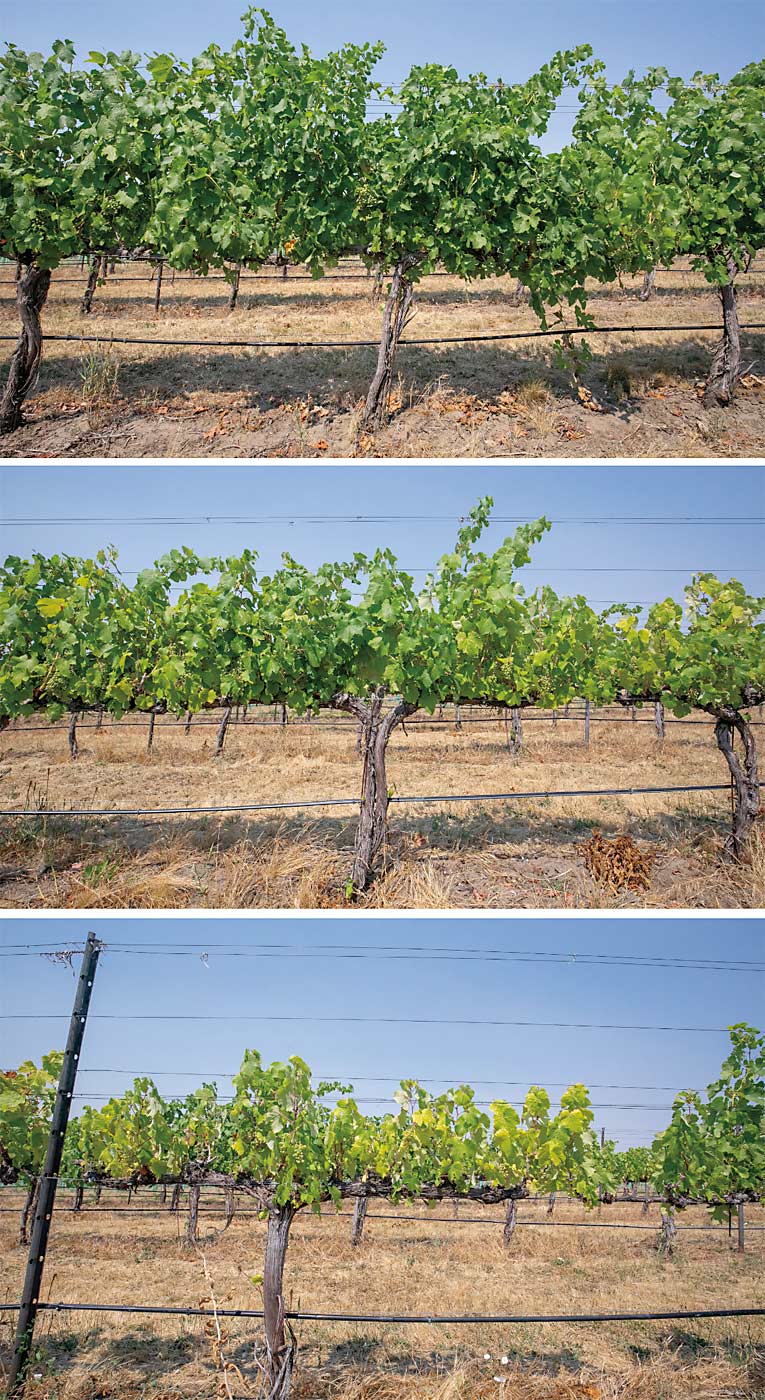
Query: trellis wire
point(309, 803)
point(349, 725)
point(158, 1212)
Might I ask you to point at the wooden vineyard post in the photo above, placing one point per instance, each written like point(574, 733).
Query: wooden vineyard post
point(359, 1216)
point(30, 1296)
point(668, 1233)
point(740, 1213)
point(659, 714)
point(158, 290)
point(600, 1188)
point(587, 722)
point(222, 730)
point(192, 1228)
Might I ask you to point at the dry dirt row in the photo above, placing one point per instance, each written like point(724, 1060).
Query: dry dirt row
point(498, 399)
point(414, 1265)
point(468, 855)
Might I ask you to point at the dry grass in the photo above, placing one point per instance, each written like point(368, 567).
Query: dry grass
point(474, 855)
point(424, 1265)
point(481, 399)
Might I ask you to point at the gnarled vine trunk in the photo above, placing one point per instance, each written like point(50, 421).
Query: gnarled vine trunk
point(27, 1210)
point(222, 729)
point(648, 288)
point(726, 364)
point(91, 284)
point(32, 287)
point(376, 729)
point(515, 733)
point(511, 1212)
point(745, 776)
point(280, 1356)
point(395, 317)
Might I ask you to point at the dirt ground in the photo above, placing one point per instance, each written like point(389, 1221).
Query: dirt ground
point(502, 854)
point(498, 399)
point(421, 1262)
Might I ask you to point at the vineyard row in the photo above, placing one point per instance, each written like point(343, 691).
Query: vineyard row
point(230, 162)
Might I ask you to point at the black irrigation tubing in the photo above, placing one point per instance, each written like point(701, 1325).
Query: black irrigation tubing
point(353, 801)
point(295, 1315)
point(374, 344)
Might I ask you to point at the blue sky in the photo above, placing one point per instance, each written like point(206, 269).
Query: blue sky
point(607, 562)
point(503, 38)
point(635, 1067)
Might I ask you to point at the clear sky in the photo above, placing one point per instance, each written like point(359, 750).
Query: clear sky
point(606, 561)
point(633, 1067)
point(503, 38)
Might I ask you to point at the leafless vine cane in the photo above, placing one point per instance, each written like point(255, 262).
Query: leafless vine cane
point(223, 1367)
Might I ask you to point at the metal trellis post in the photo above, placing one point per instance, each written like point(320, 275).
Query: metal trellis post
point(30, 1297)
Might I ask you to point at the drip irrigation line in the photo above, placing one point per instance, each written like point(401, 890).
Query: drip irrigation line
point(440, 1318)
point(374, 344)
point(310, 803)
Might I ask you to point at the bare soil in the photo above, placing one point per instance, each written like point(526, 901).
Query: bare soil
point(493, 399)
point(413, 1264)
point(498, 854)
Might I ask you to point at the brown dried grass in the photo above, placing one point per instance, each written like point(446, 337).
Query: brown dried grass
point(496, 399)
point(462, 855)
point(424, 1265)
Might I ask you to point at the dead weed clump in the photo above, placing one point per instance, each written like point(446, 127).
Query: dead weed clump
point(617, 864)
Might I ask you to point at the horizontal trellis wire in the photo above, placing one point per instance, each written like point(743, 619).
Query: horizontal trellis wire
point(158, 1212)
point(353, 801)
